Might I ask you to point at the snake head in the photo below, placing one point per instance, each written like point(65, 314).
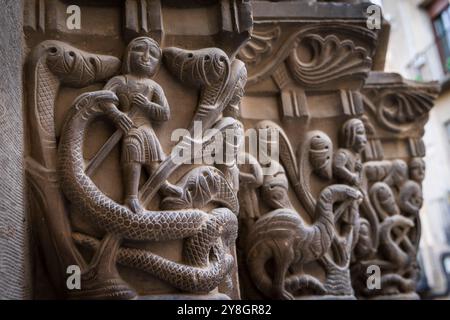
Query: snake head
point(197, 67)
point(78, 68)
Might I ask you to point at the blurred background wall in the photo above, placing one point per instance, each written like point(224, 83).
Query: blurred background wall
point(419, 49)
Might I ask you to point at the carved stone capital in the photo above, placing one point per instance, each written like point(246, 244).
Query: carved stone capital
point(323, 45)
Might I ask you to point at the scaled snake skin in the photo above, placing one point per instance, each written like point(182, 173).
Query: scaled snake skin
point(204, 231)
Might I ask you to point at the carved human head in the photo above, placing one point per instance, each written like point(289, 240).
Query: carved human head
point(417, 169)
point(383, 199)
point(232, 110)
point(354, 135)
point(275, 188)
point(142, 57)
point(321, 154)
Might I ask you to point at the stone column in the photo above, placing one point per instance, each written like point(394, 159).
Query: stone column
point(14, 253)
point(117, 214)
point(396, 111)
point(307, 62)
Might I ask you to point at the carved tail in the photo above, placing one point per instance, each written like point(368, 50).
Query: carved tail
point(178, 275)
point(389, 247)
point(256, 262)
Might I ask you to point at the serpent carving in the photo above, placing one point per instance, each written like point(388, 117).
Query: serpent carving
point(283, 236)
point(390, 249)
point(202, 229)
point(181, 276)
point(201, 186)
point(52, 64)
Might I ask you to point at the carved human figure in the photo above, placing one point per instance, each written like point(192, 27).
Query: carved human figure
point(282, 236)
point(250, 178)
point(143, 101)
point(417, 170)
point(234, 136)
point(397, 175)
point(347, 164)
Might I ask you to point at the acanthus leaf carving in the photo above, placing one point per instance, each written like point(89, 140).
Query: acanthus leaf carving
point(318, 60)
point(259, 45)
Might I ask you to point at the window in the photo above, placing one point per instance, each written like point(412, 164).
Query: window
point(439, 13)
point(441, 24)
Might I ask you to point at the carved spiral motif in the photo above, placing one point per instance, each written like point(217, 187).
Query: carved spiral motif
point(397, 108)
point(317, 60)
point(260, 44)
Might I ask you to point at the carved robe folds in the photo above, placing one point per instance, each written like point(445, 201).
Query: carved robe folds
point(108, 194)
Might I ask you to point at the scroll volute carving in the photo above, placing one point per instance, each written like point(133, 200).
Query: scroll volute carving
point(319, 57)
point(196, 206)
point(397, 105)
point(282, 242)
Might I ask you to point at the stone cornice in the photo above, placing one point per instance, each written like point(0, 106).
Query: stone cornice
point(308, 37)
point(397, 105)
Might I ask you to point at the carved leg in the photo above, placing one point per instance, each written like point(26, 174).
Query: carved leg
point(101, 280)
point(167, 189)
point(131, 175)
point(282, 263)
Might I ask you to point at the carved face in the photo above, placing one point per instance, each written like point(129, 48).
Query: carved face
point(321, 154)
point(144, 57)
point(417, 170)
point(275, 189)
point(354, 135)
point(360, 138)
point(232, 110)
point(383, 199)
point(411, 198)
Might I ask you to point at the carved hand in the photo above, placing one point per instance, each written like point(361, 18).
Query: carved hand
point(124, 122)
point(140, 100)
point(119, 118)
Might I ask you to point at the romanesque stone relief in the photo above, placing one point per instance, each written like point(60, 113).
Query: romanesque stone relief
point(396, 111)
point(90, 229)
point(398, 106)
point(390, 229)
point(109, 194)
point(279, 242)
point(315, 57)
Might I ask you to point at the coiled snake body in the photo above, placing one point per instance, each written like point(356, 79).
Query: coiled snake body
point(205, 231)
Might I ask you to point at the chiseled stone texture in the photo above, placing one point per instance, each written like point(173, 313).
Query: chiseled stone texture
point(13, 233)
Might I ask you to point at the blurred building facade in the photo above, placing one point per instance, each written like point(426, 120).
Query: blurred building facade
point(419, 49)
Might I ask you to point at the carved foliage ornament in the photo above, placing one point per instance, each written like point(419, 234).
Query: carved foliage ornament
point(316, 57)
point(399, 109)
